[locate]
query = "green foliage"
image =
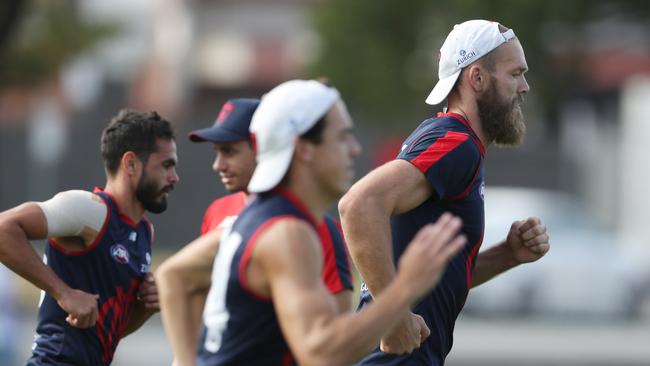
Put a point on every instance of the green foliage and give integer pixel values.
(366, 44)
(49, 35)
(382, 55)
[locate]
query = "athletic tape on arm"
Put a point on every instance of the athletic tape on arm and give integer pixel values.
(69, 212)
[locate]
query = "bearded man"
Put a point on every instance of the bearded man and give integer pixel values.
(440, 169)
(95, 276)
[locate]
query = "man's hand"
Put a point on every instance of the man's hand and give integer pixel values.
(148, 293)
(528, 240)
(419, 269)
(426, 257)
(81, 308)
(406, 337)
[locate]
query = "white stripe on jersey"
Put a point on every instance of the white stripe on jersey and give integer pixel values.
(215, 315)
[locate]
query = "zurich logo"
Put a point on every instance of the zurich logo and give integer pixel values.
(462, 53)
(481, 190)
(120, 254)
(294, 125)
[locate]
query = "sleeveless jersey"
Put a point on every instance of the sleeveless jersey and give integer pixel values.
(112, 267)
(337, 275)
(239, 326)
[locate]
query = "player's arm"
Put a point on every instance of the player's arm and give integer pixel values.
(74, 217)
(395, 187)
(365, 210)
(183, 283)
(343, 300)
(307, 314)
(527, 241)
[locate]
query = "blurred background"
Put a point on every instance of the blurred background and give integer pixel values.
(67, 67)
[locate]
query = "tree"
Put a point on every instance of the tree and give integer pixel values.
(47, 36)
(382, 54)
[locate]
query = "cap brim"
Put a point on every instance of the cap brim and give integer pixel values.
(215, 134)
(271, 168)
(442, 89)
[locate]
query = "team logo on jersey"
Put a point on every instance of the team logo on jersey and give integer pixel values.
(120, 254)
(133, 236)
(481, 191)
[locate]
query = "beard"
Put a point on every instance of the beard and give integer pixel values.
(502, 121)
(151, 195)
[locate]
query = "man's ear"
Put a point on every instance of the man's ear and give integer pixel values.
(478, 78)
(130, 163)
(304, 150)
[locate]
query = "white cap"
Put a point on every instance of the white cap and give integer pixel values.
(286, 112)
(466, 43)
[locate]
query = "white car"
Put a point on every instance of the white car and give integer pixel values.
(589, 271)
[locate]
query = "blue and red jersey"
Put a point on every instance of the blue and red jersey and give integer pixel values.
(240, 326)
(450, 155)
(336, 274)
(113, 267)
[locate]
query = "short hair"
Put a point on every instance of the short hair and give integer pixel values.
(315, 133)
(133, 131)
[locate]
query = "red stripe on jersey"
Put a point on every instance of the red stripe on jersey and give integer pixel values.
(345, 247)
(439, 149)
(243, 262)
(287, 359)
(150, 227)
(471, 258)
(330, 271)
(466, 123)
(297, 202)
(467, 189)
(127, 220)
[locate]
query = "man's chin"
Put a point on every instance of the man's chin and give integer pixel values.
(510, 141)
(157, 209)
(231, 188)
(159, 206)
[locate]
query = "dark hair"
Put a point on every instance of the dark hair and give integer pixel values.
(132, 131)
(315, 133)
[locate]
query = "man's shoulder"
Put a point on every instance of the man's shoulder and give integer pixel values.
(282, 233)
(440, 125)
(76, 199)
(440, 136)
